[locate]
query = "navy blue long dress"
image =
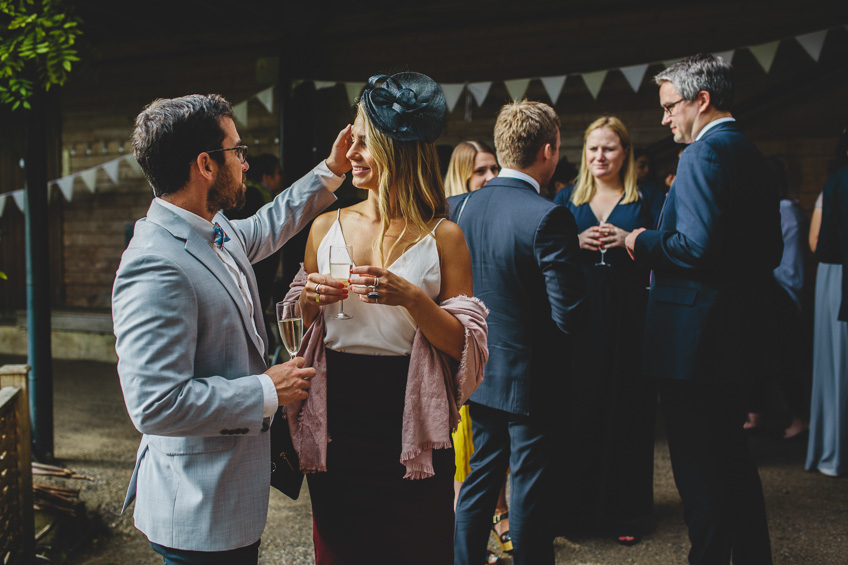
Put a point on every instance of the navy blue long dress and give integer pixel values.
(609, 479)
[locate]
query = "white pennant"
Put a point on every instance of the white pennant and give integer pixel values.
(66, 185)
(594, 81)
(319, 84)
(266, 97)
(452, 92)
(354, 89)
(2, 203)
(634, 75)
(133, 164)
(765, 54)
(517, 87)
(812, 43)
(670, 62)
(726, 55)
(89, 177)
(111, 169)
(479, 90)
(553, 86)
(240, 112)
(18, 197)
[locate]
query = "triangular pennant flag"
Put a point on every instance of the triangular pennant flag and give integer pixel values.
(452, 92)
(111, 169)
(594, 81)
(319, 84)
(353, 90)
(18, 197)
(2, 203)
(726, 55)
(812, 43)
(670, 62)
(479, 90)
(295, 83)
(133, 164)
(553, 86)
(266, 97)
(634, 75)
(240, 112)
(765, 54)
(66, 185)
(517, 87)
(89, 177)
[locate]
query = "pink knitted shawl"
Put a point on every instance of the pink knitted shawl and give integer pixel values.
(436, 386)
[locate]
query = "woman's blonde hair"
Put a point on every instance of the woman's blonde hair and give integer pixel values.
(586, 185)
(410, 183)
(461, 166)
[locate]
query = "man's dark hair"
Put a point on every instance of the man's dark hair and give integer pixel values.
(170, 133)
(701, 72)
(261, 165)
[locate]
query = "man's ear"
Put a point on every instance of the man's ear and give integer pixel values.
(703, 99)
(205, 166)
(547, 151)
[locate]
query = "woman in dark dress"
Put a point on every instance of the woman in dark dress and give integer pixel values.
(614, 402)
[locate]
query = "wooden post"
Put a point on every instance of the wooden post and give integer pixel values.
(17, 520)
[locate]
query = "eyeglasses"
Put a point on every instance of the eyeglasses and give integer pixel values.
(241, 151)
(669, 108)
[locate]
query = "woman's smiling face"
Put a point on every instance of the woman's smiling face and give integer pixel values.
(365, 172)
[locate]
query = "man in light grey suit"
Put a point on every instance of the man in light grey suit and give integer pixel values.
(191, 341)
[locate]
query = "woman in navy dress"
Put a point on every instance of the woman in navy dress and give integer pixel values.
(614, 402)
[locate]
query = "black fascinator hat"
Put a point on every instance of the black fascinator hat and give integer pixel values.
(406, 106)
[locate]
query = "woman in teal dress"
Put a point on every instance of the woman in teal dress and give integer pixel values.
(614, 401)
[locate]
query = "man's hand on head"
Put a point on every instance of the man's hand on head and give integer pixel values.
(338, 162)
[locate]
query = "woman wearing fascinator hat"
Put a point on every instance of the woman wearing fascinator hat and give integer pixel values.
(374, 436)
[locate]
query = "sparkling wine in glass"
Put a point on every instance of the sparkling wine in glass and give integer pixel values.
(290, 322)
(341, 263)
(602, 250)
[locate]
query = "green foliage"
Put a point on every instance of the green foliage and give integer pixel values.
(37, 50)
(3, 275)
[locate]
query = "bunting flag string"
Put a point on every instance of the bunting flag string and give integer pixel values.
(765, 54)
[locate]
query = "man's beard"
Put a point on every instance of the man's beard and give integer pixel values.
(225, 194)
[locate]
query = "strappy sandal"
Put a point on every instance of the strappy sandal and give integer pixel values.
(504, 539)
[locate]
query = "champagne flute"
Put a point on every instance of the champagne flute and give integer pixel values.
(341, 263)
(290, 322)
(602, 249)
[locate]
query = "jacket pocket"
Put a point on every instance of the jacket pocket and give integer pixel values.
(191, 445)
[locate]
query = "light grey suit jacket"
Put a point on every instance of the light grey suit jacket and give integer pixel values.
(188, 360)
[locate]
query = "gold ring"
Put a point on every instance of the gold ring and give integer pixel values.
(317, 297)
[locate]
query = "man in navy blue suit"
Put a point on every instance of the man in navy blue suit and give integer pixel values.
(524, 259)
(708, 317)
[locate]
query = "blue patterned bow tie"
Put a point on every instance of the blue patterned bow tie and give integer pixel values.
(220, 237)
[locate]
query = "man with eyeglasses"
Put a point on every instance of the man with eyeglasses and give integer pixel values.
(191, 341)
(709, 313)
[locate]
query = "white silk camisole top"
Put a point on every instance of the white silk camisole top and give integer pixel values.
(377, 329)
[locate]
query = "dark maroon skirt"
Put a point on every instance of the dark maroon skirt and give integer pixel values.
(363, 510)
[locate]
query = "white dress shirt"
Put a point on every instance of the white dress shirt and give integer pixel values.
(513, 174)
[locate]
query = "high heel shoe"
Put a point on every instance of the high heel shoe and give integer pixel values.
(504, 539)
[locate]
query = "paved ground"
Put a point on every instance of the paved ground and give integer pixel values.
(93, 435)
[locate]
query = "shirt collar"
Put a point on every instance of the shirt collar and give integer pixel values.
(200, 225)
(711, 125)
(513, 174)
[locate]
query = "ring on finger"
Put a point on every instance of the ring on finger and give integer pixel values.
(373, 295)
(376, 281)
(316, 288)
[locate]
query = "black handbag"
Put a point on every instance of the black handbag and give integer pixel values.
(285, 465)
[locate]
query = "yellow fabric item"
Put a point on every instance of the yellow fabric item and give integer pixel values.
(462, 445)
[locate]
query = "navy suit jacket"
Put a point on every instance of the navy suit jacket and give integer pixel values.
(524, 259)
(832, 246)
(719, 239)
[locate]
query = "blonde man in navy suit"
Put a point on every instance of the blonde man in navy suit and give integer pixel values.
(524, 252)
(706, 335)
(191, 341)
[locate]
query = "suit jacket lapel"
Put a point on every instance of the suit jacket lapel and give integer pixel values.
(199, 248)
